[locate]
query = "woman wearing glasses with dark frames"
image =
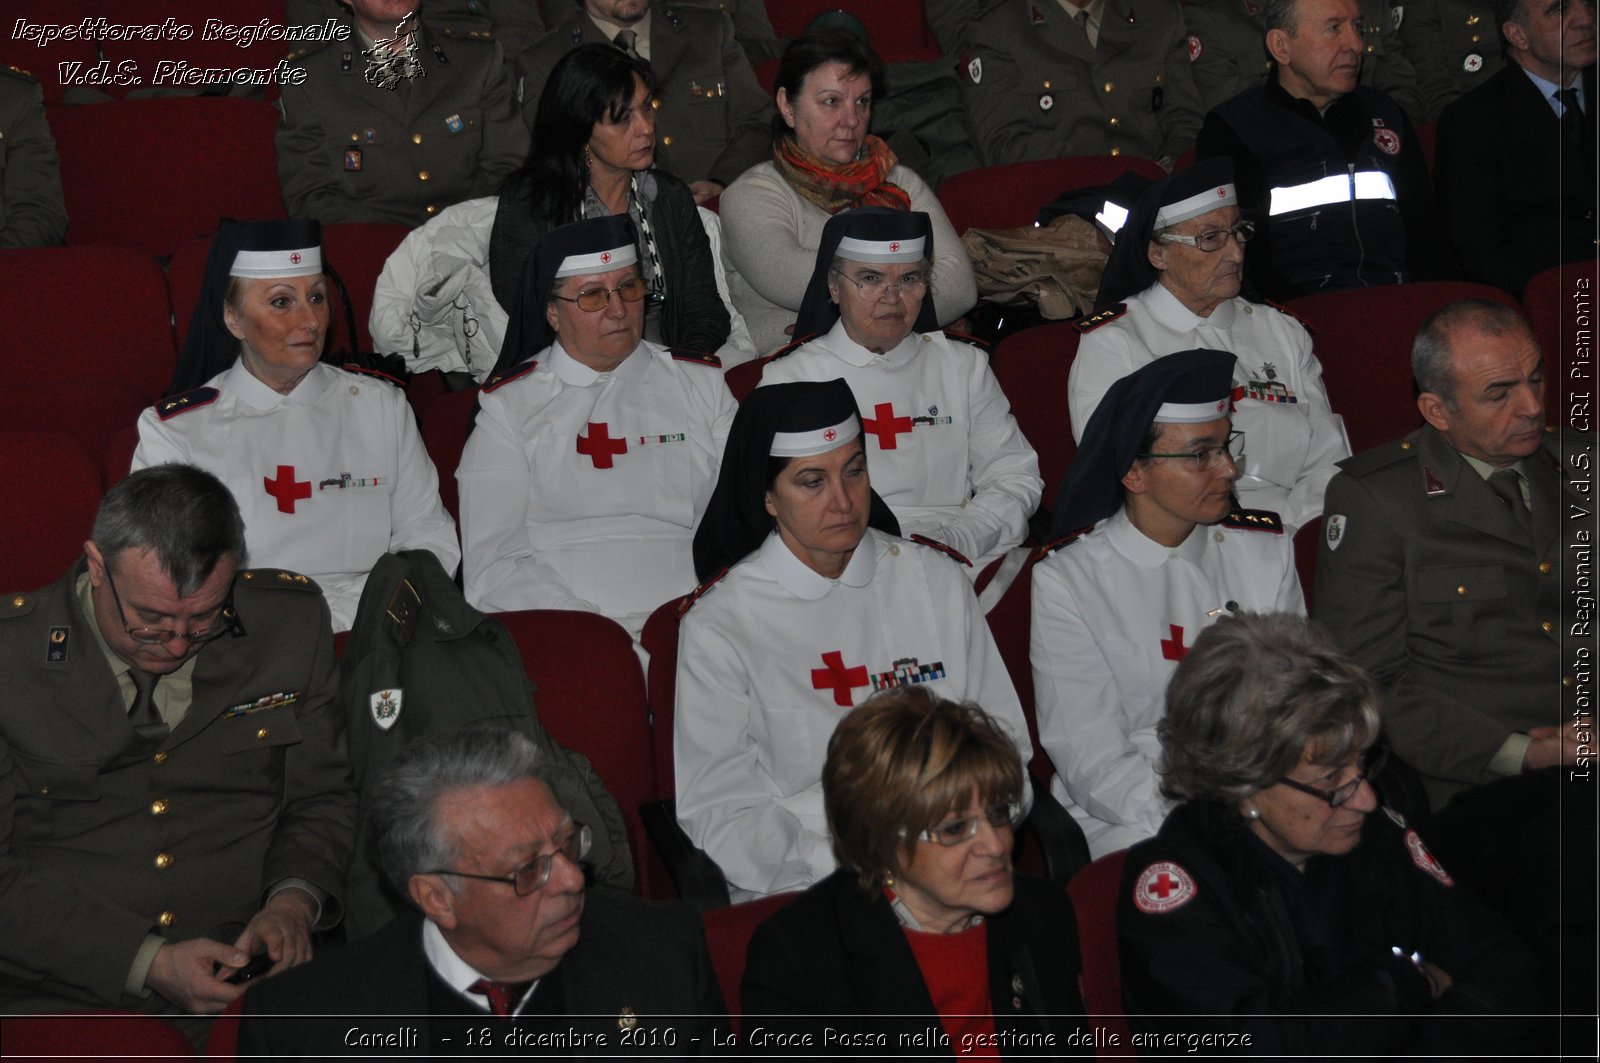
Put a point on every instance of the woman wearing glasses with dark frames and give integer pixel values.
(594, 451)
(1281, 899)
(1173, 283)
(925, 921)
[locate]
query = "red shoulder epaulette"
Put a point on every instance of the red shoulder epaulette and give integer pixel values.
(683, 354)
(351, 367)
(1280, 308)
(1254, 520)
(184, 401)
(695, 595)
(942, 548)
(1100, 317)
(790, 347)
(983, 345)
(516, 371)
(1049, 548)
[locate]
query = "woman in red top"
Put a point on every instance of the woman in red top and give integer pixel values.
(924, 940)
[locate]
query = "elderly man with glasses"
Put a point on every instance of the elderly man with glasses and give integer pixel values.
(1173, 283)
(175, 798)
(508, 953)
(1117, 607)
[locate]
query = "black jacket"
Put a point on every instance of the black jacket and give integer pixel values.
(1280, 141)
(693, 316)
(836, 958)
(1233, 957)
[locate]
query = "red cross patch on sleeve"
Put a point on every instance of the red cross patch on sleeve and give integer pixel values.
(1164, 887)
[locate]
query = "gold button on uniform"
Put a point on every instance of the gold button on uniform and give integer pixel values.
(167, 918)
(1567, 681)
(158, 807)
(1547, 626)
(666, 142)
(1109, 86)
(1406, 445)
(19, 601)
(432, 209)
(1462, 590)
(161, 758)
(1112, 121)
(1474, 38)
(1047, 84)
(263, 733)
(1545, 568)
(1116, 151)
(423, 175)
(416, 138)
(163, 860)
(44, 791)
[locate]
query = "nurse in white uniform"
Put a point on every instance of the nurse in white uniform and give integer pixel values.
(947, 456)
(1172, 284)
(594, 452)
(1116, 608)
(823, 605)
(326, 464)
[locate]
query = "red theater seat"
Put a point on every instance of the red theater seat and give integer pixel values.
(1560, 304)
(728, 933)
(1010, 195)
(357, 251)
(51, 485)
(897, 29)
(1094, 899)
(445, 427)
(1032, 366)
(91, 1035)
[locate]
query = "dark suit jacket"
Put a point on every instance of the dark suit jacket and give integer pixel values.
(645, 959)
(1515, 203)
(252, 787)
(1428, 582)
(838, 957)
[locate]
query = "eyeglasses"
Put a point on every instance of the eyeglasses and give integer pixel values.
(876, 284)
(1231, 450)
(160, 636)
(1372, 764)
(532, 878)
(955, 831)
(594, 300)
(1213, 239)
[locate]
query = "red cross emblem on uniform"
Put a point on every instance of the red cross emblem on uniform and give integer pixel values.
(605, 256)
(886, 426)
(295, 258)
(1173, 649)
(895, 246)
(835, 675)
(599, 446)
(286, 489)
(830, 435)
(1162, 887)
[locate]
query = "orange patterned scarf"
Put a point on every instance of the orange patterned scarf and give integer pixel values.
(862, 183)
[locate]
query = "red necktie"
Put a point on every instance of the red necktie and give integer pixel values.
(503, 997)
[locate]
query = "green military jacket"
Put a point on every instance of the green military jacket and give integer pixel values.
(32, 210)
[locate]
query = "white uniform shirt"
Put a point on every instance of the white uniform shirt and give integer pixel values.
(944, 451)
(581, 490)
(1113, 613)
(770, 659)
(328, 478)
(1292, 437)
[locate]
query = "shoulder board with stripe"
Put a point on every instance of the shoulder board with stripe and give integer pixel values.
(514, 373)
(1100, 317)
(699, 592)
(790, 347)
(983, 345)
(1254, 520)
(1071, 537)
(17, 71)
(351, 367)
(684, 354)
(277, 579)
(1284, 310)
(942, 548)
(184, 401)
(1379, 457)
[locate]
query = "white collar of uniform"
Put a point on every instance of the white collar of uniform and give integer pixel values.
(455, 972)
(799, 579)
(1167, 309)
(571, 371)
(253, 393)
(1144, 551)
(838, 341)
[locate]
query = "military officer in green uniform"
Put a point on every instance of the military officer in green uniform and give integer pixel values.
(713, 121)
(396, 123)
(1045, 78)
(515, 24)
(751, 27)
(1227, 43)
(32, 212)
(1454, 45)
(949, 19)
(175, 792)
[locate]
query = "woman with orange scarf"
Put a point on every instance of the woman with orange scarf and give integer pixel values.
(823, 161)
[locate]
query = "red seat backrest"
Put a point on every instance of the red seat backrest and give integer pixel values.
(1010, 623)
(1560, 304)
(49, 62)
(357, 251)
(86, 1035)
(52, 489)
(1094, 898)
(1305, 555)
(179, 165)
(728, 931)
(445, 425)
(591, 699)
(165, 61)
(660, 640)
(1363, 338)
(1032, 367)
(897, 28)
(222, 1040)
(1010, 195)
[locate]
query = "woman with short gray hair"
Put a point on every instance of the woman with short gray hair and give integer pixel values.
(1273, 892)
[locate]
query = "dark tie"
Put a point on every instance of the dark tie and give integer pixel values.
(1082, 19)
(503, 997)
(146, 720)
(625, 40)
(1507, 483)
(1571, 119)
